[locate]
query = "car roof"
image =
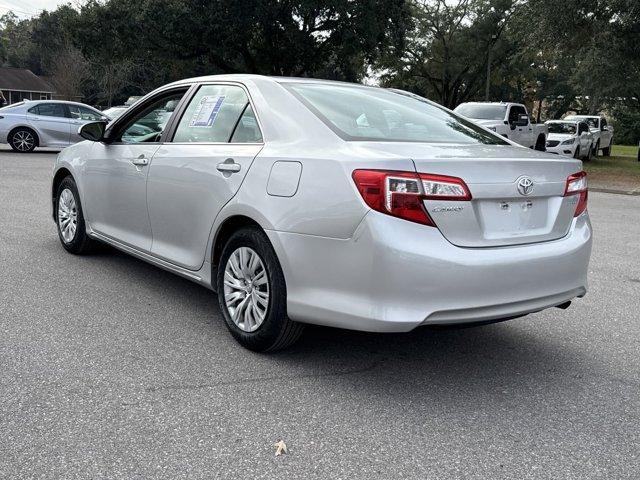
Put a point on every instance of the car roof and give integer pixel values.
(241, 77)
(66, 102)
(489, 103)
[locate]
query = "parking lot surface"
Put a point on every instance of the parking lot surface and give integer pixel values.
(112, 368)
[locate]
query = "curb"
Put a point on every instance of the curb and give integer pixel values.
(633, 193)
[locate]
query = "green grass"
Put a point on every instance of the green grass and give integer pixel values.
(620, 171)
(625, 151)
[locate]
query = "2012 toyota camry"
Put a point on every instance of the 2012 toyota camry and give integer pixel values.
(305, 201)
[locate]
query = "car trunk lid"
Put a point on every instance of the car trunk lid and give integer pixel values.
(517, 193)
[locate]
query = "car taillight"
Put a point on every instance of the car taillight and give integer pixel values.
(577, 185)
(401, 193)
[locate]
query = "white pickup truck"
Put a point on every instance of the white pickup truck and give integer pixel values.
(602, 133)
(511, 120)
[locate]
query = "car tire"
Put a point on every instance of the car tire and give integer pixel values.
(589, 155)
(252, 293)
(596, 149)
(541, 144)
(606, 151)
(577, 153)
(69, 218)
(23, 140)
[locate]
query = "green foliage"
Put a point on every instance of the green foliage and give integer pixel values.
(579, 55)
(574, 55)
(163, 40)
(626, 125)
(448, 49)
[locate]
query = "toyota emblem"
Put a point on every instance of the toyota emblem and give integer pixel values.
(525, 186)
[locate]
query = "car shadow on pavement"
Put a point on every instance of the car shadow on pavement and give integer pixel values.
(484, 360)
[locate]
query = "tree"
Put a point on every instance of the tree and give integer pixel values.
(69, 71)
(113, 78)
(449, 47)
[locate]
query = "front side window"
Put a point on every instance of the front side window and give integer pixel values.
(375, 114)
(79, 112)
(149, 123)
(213, 114)
(48, 110)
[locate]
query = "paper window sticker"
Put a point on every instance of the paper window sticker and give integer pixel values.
(207, 111)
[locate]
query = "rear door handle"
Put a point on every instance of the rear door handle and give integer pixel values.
(141, 161)
(229, 165)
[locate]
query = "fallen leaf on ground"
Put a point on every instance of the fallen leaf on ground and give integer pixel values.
(281, 448)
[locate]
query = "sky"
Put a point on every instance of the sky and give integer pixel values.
(30, 8)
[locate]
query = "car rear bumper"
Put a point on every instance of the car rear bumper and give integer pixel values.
(394, 275)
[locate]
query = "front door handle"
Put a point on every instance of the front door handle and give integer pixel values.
(229, 166)
(141, 161)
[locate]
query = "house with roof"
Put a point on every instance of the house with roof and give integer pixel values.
(17, 84)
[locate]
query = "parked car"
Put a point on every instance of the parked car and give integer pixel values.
(511, 120)
(307, 201)
(570, 138)
(602, 132)
(44, 123)
(114, 112)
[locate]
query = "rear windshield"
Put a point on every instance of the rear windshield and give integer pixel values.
(562, 128)
(482, 112)
(376, 114)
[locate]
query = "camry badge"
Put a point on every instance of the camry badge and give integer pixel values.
(525, 185)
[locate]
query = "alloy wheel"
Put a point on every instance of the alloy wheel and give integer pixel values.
(67, 215)
(24, 141)
(246, 289)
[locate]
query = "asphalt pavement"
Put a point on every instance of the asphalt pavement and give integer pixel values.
(112, 368)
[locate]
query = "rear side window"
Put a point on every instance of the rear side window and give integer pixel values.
(49, 110)
(247, 129)
(213, 114)
(375, 114)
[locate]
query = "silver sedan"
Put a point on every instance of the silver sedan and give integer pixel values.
(44, 123)
(305, 201)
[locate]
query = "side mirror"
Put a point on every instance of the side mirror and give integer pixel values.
(93, 131)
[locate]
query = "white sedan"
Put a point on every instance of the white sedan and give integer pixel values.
(570, 138)
(44, 123)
